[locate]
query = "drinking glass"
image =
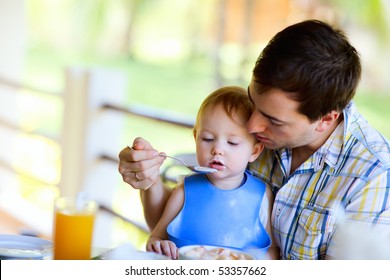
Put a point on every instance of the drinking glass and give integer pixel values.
(73, 228)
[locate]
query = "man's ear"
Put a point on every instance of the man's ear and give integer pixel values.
(327, 121)
(257, 149)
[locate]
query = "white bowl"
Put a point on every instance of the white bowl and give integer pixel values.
(206, 252)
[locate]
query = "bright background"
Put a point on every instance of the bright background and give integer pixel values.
(173, 53)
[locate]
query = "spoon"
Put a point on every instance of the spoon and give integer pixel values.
(194, 168)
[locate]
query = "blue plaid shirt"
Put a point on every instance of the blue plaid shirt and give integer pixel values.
(351, 171)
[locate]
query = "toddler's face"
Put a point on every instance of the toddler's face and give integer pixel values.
(224, 143)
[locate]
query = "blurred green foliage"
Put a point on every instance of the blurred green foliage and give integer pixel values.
(171, 50)
(173, 55)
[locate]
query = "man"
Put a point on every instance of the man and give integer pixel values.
(321, 156)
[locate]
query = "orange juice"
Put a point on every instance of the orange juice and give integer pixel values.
(73, 229)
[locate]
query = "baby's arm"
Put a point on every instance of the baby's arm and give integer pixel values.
(273, 250)
(157, 241)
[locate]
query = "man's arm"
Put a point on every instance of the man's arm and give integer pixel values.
(154, 200)
(140, 168)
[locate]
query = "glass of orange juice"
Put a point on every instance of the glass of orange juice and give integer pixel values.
(73, 228)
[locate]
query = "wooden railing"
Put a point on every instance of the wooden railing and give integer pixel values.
(87, 138)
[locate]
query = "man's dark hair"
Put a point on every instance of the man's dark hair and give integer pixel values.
(315, 63)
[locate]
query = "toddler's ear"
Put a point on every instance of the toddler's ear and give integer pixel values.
(257, 149)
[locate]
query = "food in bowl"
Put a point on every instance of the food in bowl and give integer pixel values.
(193, 252)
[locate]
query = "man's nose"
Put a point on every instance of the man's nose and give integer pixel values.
(256, 123)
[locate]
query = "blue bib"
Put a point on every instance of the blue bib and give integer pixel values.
(228, 218)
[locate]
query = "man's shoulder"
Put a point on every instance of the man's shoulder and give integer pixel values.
(366, 143)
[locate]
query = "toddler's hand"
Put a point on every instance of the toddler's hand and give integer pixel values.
(165, 247)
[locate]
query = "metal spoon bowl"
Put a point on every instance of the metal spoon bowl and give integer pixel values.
(193, 168)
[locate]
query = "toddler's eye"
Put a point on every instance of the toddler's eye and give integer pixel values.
(232, 143)
(207, 139)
